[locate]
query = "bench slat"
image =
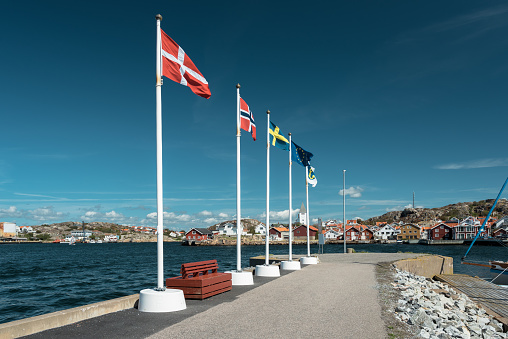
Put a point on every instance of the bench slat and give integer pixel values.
(197, 282)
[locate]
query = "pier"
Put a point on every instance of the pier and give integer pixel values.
(317, 301)
(492, 297)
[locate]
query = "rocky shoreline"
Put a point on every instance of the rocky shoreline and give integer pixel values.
(434, 310)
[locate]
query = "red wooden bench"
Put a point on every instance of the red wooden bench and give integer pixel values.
(200, 280)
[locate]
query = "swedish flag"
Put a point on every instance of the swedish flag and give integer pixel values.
(277, 139)
(300, 155)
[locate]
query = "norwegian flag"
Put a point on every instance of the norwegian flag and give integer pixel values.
(247, 119)
(177, 66)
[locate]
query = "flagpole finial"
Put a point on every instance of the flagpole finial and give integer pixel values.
(158, 17)
(268, 112)
(237, 85)
(289, 133)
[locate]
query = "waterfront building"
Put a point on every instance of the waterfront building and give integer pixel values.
(470, 226)
(409, 232)
(366, 234)
(386, 232)
(352, 233)
(279, 233)
(441, 231)
(260, 229)
(500, 233)
(332, 234)
(80, 234)
(227, 229)
(199, 234)
(7, 229)
(300, 233)
(25, 229)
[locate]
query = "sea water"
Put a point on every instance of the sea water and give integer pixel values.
(41, 278)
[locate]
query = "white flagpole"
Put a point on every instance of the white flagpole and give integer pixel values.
(160, 299)
(160, 212)
(290, 204)
(239, 227)
(267, 241)
(344, 205)
(307, 217)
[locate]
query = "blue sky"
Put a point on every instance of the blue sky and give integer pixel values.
(405, 96)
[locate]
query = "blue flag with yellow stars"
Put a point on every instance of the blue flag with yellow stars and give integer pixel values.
(300, 155)
(278, 140)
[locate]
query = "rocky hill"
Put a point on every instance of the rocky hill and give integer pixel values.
(460, 210)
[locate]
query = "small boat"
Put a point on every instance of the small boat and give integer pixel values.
(498, 269)
(499, 272)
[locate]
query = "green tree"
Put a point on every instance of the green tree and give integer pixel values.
(43, 236)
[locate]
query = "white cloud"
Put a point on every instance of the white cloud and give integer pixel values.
(223, 215)
(44, 214)
(211, 221)
(281, 216)
(205, 213)
(11, 212)
(111, 216)
(482, 163)
(353, 192)
(170, 217)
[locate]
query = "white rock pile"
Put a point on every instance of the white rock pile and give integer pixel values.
(440, 312)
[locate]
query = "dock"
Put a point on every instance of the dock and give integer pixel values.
(492, 297)
(316, 301)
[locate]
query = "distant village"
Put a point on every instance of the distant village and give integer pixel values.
(331, 230)
(436, 231)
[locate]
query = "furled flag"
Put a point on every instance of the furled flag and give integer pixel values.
(300, 155)
(278, 140)
(177, 66)
(311, 178)
(247, 119)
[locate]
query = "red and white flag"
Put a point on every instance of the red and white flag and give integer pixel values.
(177, 66)
(247, 119)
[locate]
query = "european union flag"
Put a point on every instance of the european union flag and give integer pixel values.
(278, 140)
(300, 155)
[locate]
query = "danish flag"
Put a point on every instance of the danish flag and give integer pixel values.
(177, 66)
(247, 119)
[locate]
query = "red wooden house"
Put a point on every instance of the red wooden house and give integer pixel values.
(440, 231)
(366, 234)
(301, 232)
(279, 233)
(199, 234)
(352, 233)
(500, 233)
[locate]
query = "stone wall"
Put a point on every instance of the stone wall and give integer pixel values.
(427, 266)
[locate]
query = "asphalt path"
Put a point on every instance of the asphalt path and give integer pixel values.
(338, 298)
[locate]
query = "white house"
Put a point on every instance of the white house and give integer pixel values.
(229, 230)
(80, 234)
(332, 234)
(386, 232)
(25, 229)
(260, 229)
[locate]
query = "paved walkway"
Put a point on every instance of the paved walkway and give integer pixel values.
(334, 299)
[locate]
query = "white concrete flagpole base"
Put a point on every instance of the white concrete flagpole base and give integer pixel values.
(169, 300)
(267, 271)
(240, 278)
(290, 265)
(308, 260)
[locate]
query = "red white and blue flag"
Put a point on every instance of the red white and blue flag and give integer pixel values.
(247, 119)
(177, 66)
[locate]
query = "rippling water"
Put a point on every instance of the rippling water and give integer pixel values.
(41, 278)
